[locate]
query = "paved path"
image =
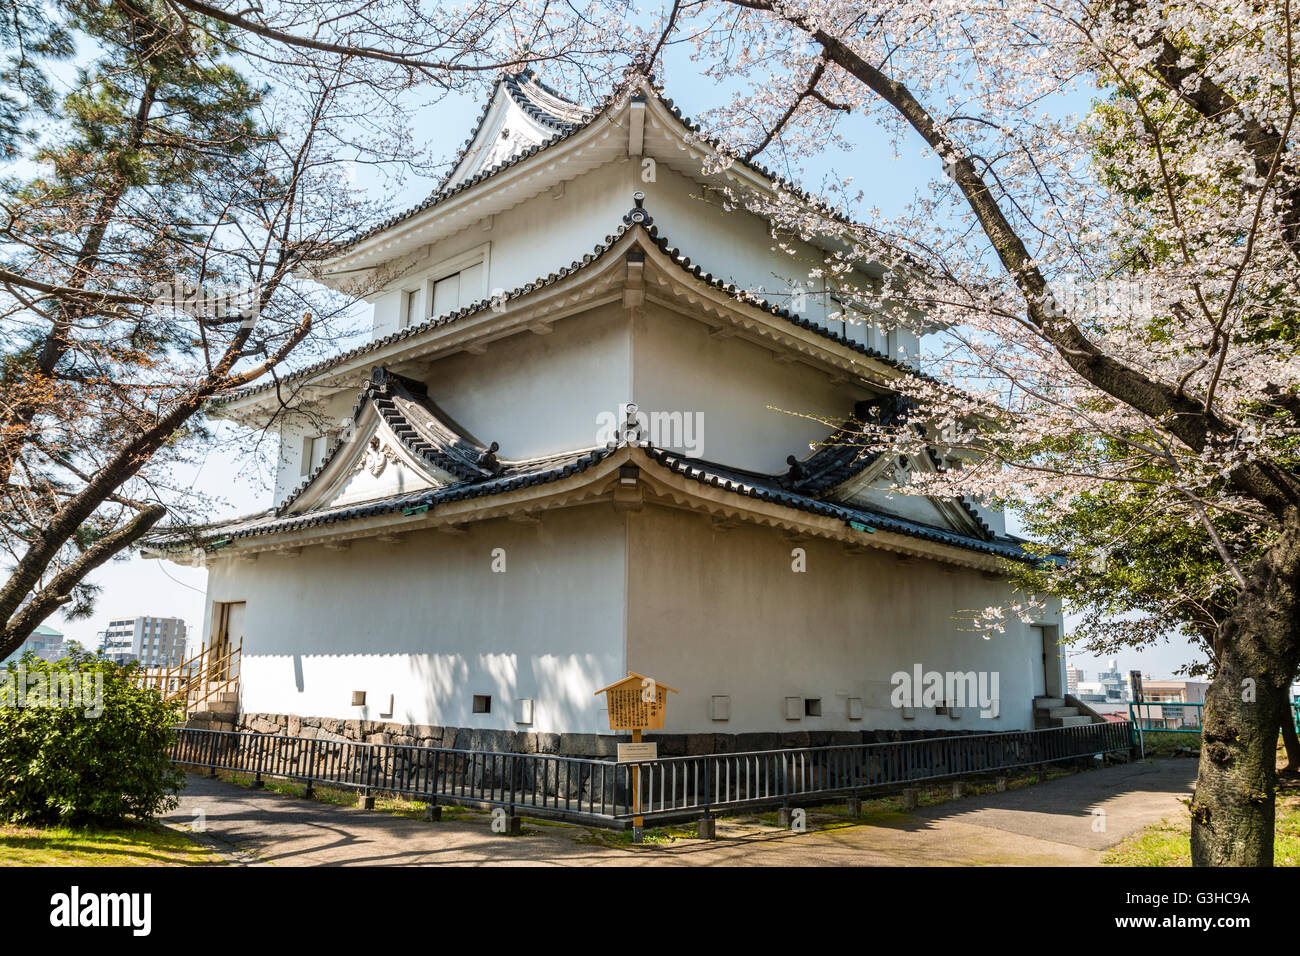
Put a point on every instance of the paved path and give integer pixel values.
(1053, 823)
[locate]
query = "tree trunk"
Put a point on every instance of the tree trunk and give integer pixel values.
(1257, 648)
(1233, 806)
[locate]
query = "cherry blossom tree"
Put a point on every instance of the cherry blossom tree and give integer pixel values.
(1108, 254)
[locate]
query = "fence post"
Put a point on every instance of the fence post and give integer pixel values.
(364, 798)
(707, 827)
(783, 814)
(433, 811)
(514, 825)
(261, 756)
(310, 791)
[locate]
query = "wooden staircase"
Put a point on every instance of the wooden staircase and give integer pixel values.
(208, 681)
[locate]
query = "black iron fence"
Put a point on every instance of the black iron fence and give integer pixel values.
(600, 792)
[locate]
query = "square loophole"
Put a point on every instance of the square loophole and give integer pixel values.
(812, 706)
(482, 703)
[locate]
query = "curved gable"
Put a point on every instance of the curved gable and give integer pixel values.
(398, 442)
(521, 115)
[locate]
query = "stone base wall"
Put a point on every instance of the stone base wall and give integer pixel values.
(568, 745)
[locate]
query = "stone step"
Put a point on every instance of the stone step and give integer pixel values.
(1074, 721)
(1063, 712)
(206, 685)
(1047, 703)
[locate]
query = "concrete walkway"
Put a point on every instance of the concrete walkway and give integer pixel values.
(1069, 821)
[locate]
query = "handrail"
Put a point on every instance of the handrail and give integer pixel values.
(201, 673)
(1140, 715)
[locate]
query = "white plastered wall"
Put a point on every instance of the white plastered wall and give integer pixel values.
(752, 411)
(721, 612)
(429, 622)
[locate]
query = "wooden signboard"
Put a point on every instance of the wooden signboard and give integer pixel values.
(636, 702)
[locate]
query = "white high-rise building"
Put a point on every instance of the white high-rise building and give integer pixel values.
(153, 641)
(1073, 676)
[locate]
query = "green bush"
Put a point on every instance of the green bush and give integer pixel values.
(102, 760)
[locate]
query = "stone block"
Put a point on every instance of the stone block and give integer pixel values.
(757, 741)
(608, 784)
(578, 745)
(670, 745)
(699, 745)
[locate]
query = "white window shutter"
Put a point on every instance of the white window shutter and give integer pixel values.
(471, 285)
(446, 295)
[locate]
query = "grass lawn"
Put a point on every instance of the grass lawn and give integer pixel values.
(1168, 843)
(151, 845)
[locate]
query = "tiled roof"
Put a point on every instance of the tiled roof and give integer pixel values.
(515, 475)
(844, 454)
(769, 488)
(564, 129)
(636, 218)
(559, 115)
(422, 428)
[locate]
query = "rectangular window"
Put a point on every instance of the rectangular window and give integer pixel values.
(410, 308)
(446, 295)
(457, 283)
(313, 452)
(471, 284)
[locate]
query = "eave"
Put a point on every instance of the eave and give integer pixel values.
(635, 120)
(667, 277)
(595, 477)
